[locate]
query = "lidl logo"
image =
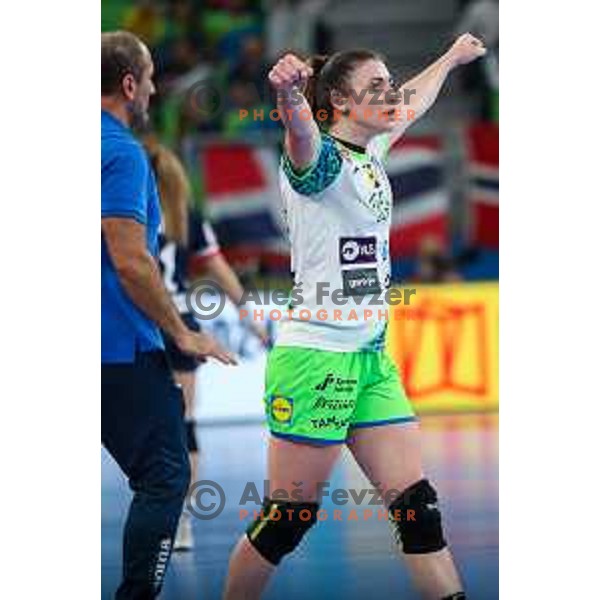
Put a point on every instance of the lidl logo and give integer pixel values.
(282, 409)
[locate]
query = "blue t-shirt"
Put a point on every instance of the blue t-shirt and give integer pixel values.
(128, 190)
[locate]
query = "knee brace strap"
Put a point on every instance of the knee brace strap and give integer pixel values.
(418, 522)
(457, 596)
(192, 440)
(280, 527)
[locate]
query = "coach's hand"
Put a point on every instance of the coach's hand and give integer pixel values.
(466, 49)
(288, 72)
(202, 345)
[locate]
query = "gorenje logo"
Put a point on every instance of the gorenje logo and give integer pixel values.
(360, 282)
(358, 250)
(329, 378)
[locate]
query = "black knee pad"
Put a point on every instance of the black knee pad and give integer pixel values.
(192, 439)
(457, 596)
(281, 527)
(418, 524)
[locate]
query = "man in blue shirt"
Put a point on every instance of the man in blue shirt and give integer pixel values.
(142, 409)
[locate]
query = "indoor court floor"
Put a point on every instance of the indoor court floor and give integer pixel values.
(347, 559)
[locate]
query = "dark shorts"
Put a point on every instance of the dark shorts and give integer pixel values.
(177, 359)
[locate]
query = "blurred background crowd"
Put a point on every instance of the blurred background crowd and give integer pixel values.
(212, 58)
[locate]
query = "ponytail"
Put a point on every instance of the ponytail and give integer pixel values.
(174, 190)
(316, 63)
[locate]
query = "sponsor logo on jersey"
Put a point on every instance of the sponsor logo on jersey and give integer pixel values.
(329, 423)
(341, 384)
(333, 403)
(329, 378)
(356, 250)
(282, 409)
(360, 282)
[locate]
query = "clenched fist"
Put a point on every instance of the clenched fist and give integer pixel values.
(289, 72)
(466, 49)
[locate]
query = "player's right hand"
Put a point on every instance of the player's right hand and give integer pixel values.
(289, 72)
(202, 345)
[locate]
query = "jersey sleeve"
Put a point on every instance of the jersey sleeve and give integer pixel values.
(203, 241)
(320, 174)
(124, 184)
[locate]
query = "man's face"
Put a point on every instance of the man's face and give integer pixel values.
(141, 91)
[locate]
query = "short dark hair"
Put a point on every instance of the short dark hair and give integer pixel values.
(122, 54)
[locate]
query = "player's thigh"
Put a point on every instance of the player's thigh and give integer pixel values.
(389, 455)
(300, 466)
(385, 436)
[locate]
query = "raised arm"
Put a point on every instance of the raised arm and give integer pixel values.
(419, 94)
(288, 77)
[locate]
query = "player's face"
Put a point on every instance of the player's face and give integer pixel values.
(143, 90)
(373, 102)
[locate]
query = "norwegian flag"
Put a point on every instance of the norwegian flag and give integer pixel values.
(421, 202)
(483, 152)
(241, 183)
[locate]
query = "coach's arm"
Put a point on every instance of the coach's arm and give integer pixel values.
(140, 277)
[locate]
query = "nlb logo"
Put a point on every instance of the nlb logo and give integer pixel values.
(356, 250)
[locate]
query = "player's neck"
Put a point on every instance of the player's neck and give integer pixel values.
(348, 131)
(116, 109)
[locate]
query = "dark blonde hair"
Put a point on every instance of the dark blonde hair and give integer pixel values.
(332, 74)
(174, 190)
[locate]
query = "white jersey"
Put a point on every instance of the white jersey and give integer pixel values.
(338, 214)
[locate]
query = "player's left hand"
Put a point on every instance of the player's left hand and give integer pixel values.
(466, 49)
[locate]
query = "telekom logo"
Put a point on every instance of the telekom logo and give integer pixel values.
(442, 346)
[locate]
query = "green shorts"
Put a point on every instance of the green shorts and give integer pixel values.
(319, 396)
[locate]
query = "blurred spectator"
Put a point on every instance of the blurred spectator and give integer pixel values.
(146, 20)
(252, 68)
(481, 18)
(226, 24)
(292, 25)
(221, 41)
(243, 96)
(434, 265)
(182, 43)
